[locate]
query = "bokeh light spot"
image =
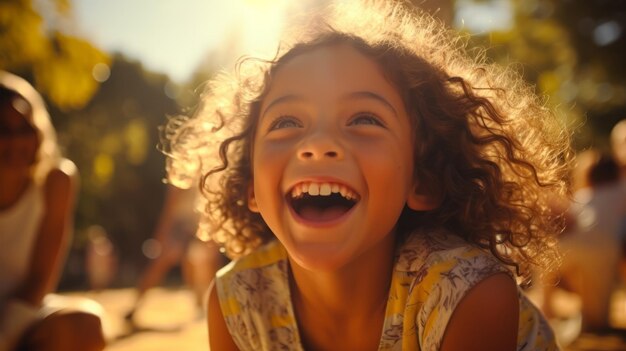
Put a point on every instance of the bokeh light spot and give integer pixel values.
(171, 90)
(607, 33)
(137, 139)
(101, 72)
(103, 168)
(151, 248)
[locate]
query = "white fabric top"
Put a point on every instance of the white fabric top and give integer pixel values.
(19, 225)
(600, 214)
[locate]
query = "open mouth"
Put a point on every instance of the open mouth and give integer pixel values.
(322, 202)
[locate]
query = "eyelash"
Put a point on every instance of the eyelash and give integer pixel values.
(369, 116)
(276, 124)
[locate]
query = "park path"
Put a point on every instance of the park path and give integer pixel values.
(167, 320)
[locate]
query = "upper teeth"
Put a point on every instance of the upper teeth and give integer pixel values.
(322, 189)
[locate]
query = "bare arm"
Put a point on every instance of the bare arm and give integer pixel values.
(50, 248)
(219, 337)
(486, 318)
(173, 195)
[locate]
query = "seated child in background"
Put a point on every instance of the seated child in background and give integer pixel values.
(37, 191)
(379, 189)
(592, 244)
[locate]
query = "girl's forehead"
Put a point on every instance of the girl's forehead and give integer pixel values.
(336, 60)
(330, 70)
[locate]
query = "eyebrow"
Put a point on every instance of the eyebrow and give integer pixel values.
(282, 99)
(354, 95)
(371, 95)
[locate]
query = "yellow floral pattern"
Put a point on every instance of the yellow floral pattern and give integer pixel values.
(433, 272)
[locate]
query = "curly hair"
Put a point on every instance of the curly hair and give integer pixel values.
(482, 139)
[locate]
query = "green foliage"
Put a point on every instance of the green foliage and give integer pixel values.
(553, 43)
(113, 140)
(59, 64)
(22, 41)
(541, 50)
(66, 74)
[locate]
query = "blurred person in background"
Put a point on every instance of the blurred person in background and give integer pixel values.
(101, 259)
(618, 146)
(37, 193)
(175, 243)
(592, 243)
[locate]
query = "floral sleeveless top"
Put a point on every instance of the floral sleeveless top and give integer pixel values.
(432, 273)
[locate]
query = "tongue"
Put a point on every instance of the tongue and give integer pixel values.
(319, 214)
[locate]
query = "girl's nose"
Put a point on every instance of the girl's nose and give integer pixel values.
(320, 146)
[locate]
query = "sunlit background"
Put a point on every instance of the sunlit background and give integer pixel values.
(112, 70)
(178, 37)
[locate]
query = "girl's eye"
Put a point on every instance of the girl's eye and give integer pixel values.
(285, 122)
(366, 119)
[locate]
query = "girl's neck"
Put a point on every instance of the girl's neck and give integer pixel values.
(13, 186)
(358, 289)
(344, 309)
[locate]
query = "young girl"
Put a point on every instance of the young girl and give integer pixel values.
(380, 188)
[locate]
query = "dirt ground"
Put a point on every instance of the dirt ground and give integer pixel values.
(168, 320)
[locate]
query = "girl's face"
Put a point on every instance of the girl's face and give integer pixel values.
(18, 138)
(332, 157)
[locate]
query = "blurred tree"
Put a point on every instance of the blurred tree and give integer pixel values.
(573, 51)
(35, 47)
(113, 141)
(598, 34)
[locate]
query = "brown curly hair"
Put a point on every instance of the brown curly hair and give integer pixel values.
(482, 139)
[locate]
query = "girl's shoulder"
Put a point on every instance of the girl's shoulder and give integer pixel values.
(254, 299)
(64, 168)
(62, 172)
(434, 271)
(438, 247)
(265, 256)
(61, 181)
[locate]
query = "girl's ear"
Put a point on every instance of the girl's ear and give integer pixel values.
(252, 205)
(421, 199)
